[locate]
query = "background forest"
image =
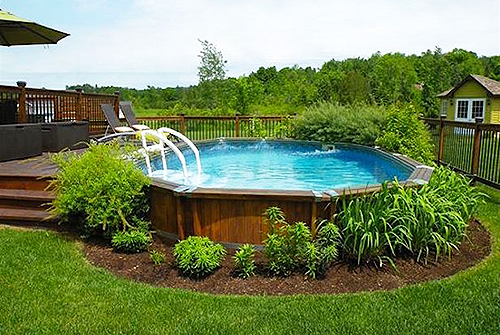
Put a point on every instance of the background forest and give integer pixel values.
(381, 79)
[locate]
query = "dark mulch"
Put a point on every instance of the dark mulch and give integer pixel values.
(340, 278)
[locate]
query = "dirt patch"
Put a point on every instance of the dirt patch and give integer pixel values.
(340, 278)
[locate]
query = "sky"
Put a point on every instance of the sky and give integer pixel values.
(140, 43)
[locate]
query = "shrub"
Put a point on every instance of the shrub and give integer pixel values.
(157, 257)
(131, 241)
(244, 261)
(406, 134)
(99, 190)
(197, 257)
(286, 245)
(329, 122)
(289, 247)
(323, 251)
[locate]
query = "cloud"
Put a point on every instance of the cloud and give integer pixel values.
(161, 36)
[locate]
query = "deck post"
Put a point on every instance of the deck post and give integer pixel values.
(183, 123)
(441, 139)
(22, 101)
(237, 125)
(117, 104)
(477, 146)
(79, 105)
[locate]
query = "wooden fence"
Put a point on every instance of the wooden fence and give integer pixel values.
(31, 105)
(208, 127)
(471, 148)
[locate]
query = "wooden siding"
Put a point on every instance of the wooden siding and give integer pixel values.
(494, 110)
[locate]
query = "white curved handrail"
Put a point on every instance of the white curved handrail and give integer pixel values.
(187, 141)
(163, 140)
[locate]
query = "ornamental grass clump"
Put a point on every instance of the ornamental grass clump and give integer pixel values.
(367, 234)
(398, 220)
(196, 257)
(100, 191)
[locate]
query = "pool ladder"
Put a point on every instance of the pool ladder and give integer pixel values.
(158, 144)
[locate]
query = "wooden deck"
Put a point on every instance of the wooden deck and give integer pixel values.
(39, 166)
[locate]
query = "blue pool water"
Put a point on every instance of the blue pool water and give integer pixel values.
(283, 166)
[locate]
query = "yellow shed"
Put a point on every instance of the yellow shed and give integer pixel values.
(475, 96)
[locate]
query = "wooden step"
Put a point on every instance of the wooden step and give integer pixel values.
(16, 198)
(16, 215)
(24, 182)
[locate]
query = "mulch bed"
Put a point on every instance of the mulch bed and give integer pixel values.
(340, 278)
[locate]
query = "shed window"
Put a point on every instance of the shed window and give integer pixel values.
(477, 108)
(469, 109)
(444, 107)
(462, 109)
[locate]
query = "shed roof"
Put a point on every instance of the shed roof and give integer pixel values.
(491, 86)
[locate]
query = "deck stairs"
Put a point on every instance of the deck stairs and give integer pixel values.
(24, 200)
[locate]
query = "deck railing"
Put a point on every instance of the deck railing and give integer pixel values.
(472, 148)
(208, 127)
(31, 105)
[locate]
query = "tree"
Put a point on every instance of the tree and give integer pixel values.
(212, 64)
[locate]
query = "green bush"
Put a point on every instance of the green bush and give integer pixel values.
(131, 241)
(197, 257)
(329, 123)
(323, 251)
(406, 134)
(244, 261)
(100, 191)
(157, 257)
(286, 244)
(290, 247)
(399, 220)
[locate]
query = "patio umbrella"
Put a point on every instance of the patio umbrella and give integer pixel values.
(17, 31)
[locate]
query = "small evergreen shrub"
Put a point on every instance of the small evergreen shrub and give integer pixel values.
(132, 241)
(406, 134)
(157, 257)
(329, 123)
(244, 262)
(197, 257)
(100, 190)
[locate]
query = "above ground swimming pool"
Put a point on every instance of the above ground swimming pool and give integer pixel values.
(283, 165)
(242, 178)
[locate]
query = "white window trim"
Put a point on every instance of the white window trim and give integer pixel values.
(469, 108)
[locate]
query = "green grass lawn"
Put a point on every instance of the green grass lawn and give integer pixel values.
(47, 287)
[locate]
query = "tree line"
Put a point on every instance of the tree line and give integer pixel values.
(382, 79)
